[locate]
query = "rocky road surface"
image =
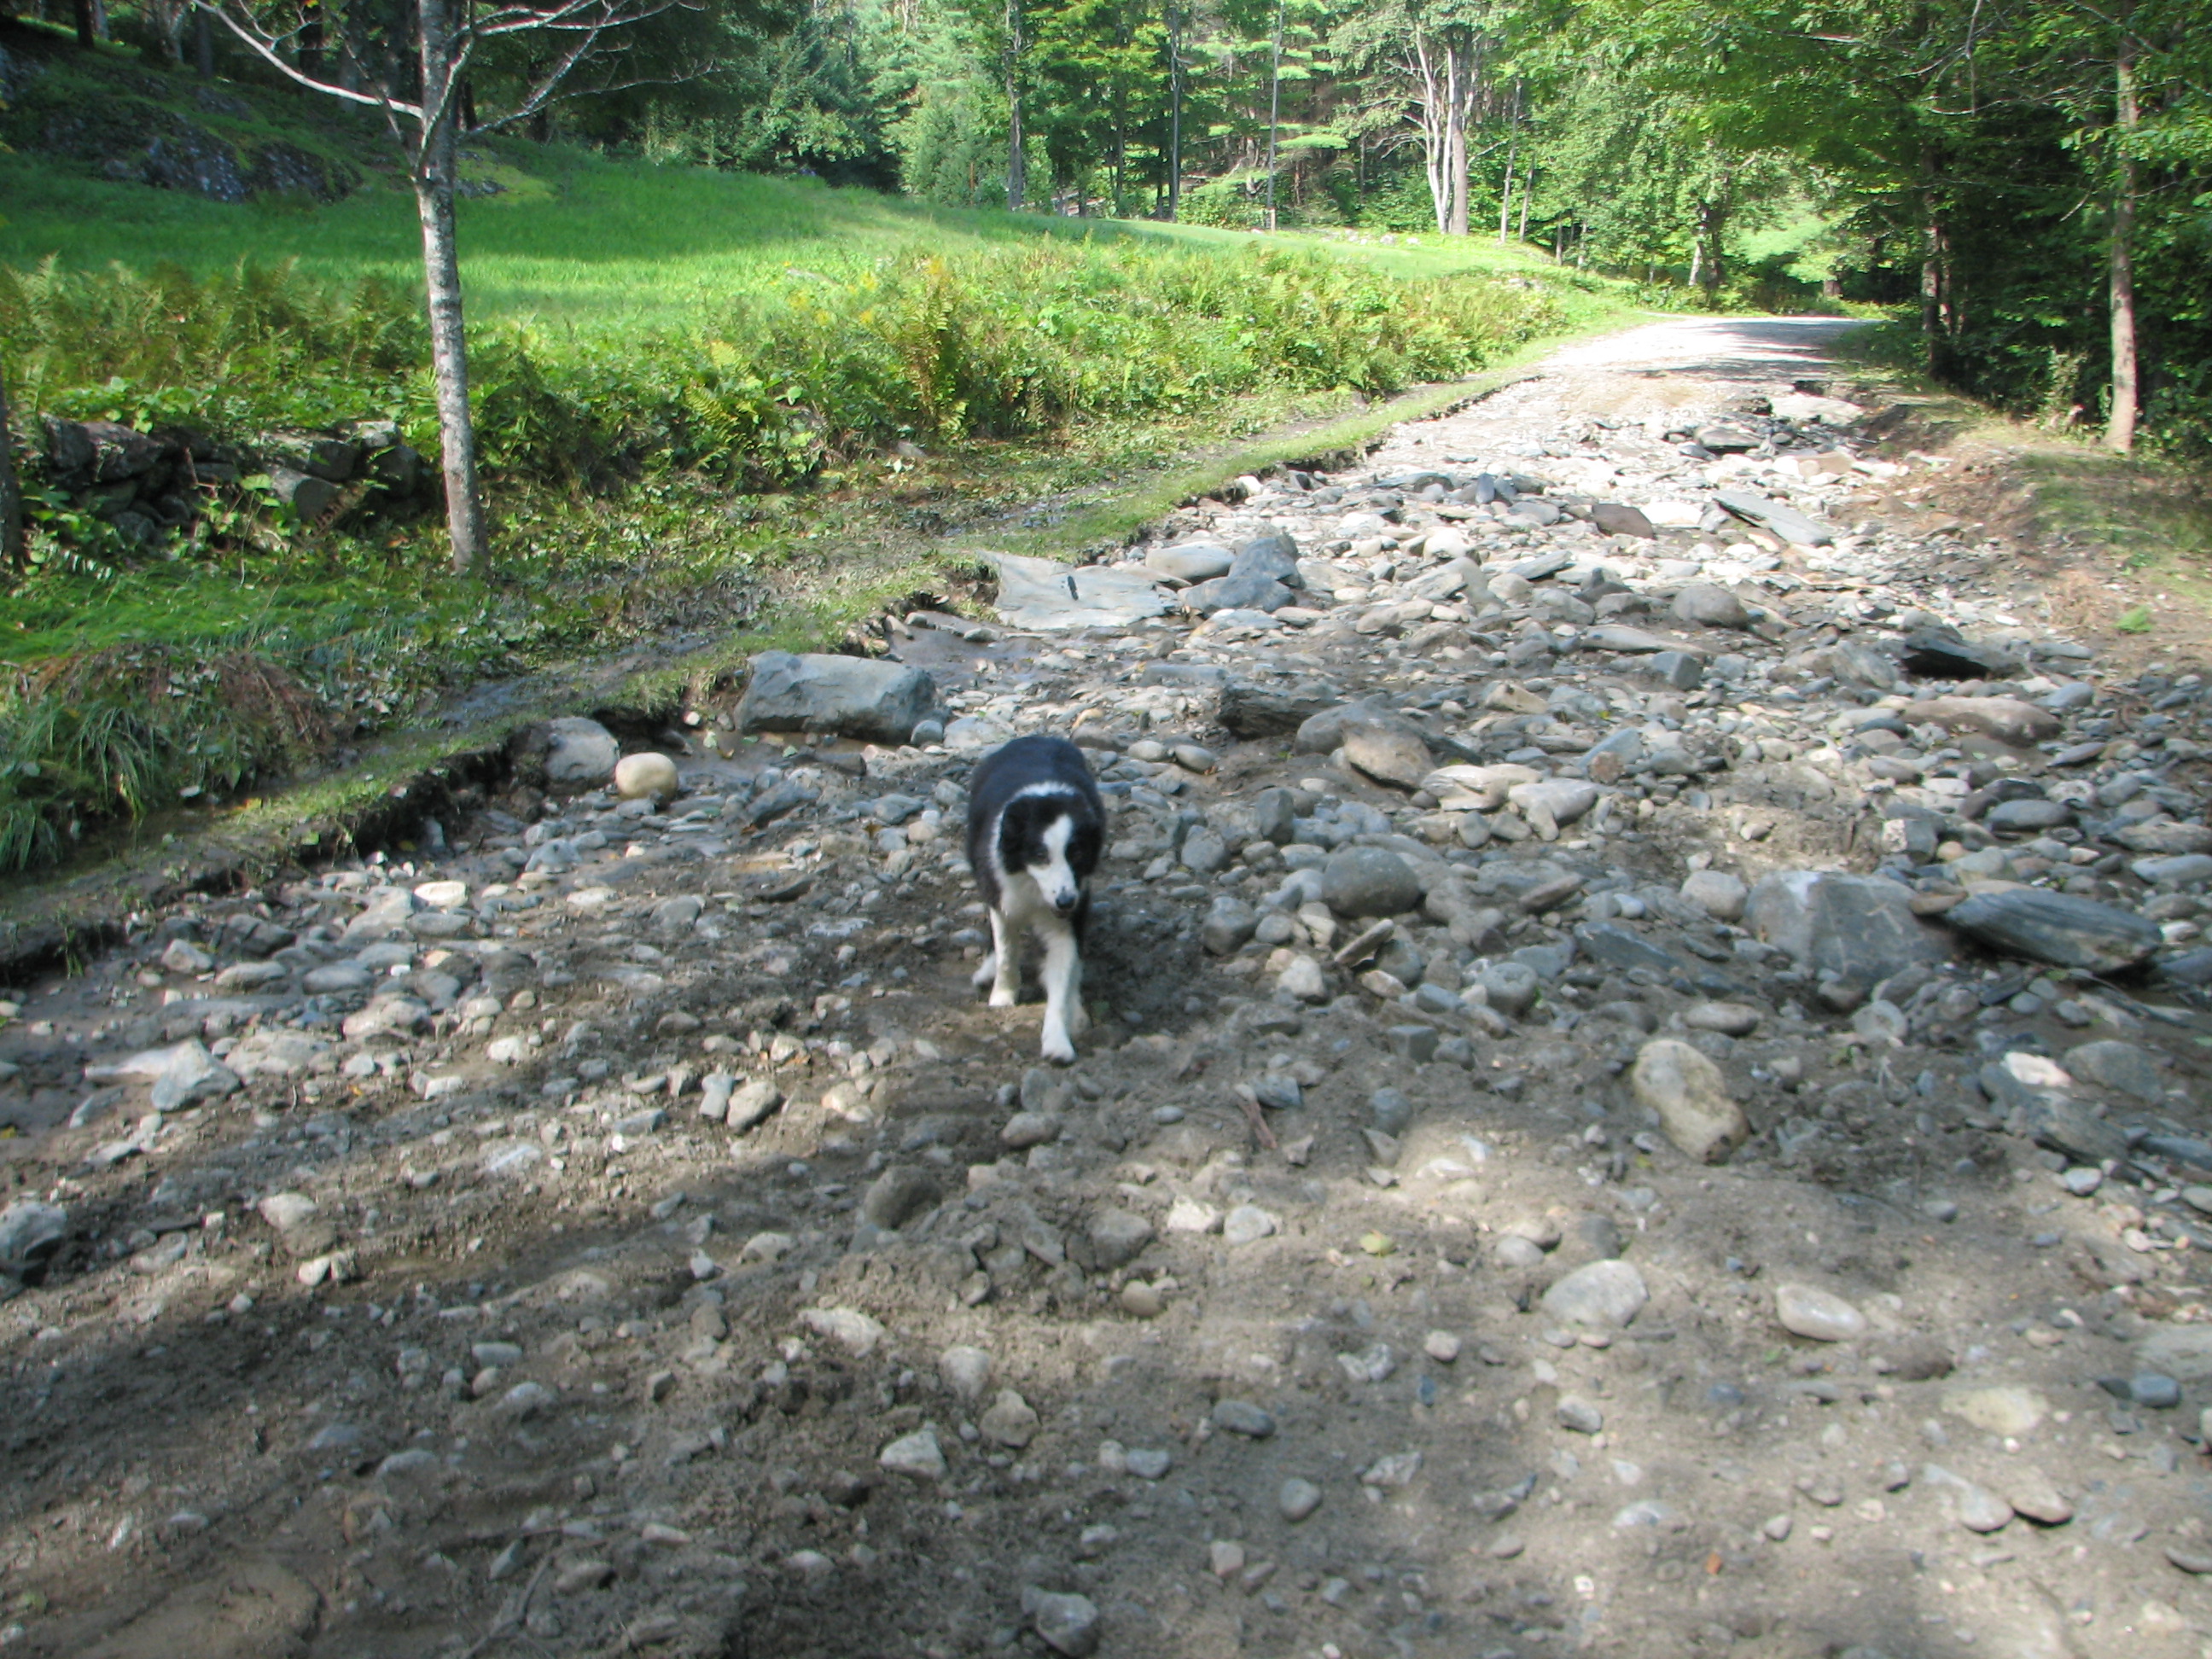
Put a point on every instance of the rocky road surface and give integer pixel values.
(1646, 1097)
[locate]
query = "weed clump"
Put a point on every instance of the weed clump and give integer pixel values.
(124, 731)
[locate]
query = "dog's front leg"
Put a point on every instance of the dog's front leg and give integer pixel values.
(1006, 962)
(1063, 990)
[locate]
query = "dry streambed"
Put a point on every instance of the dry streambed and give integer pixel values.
(1645, 1096)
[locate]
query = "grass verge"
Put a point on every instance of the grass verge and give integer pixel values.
(2143, 523)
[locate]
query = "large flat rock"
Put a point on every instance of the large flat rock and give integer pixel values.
(1860, 928)
(1778, 517)
(1047, 597)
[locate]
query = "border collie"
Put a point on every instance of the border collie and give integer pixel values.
(1035, 823)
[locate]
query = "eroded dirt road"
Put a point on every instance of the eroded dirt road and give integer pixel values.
(1674, 1125)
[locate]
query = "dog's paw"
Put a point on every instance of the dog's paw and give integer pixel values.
(1079, 1019)
(1002, 997)
(988, 972)
(1057, 1048)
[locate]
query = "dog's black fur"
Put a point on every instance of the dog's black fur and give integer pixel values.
(1036, 825)
(995, 795)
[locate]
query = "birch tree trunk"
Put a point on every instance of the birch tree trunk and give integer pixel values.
(1712, 225)
(1016, 167)
(441, 269)
(1274, 111)
(1505, 195)
(1175, 111)
(1436, 142)
(1457, 73)
(2120, 428)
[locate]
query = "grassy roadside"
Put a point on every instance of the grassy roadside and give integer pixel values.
(2141, 523)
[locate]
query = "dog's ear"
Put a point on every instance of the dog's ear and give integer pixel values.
(1084, 846)
(1015, 834)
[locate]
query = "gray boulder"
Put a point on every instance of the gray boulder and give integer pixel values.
(2119, 1066)
(1323, 733)
(580, 751)
(1191, 561)
(849, 696)
(1618, 636)
(1228, 925)
(1939, 653)
(1711, 605)
(1616, 519)
(2060, 929)
(1857, 928)
(1776, 517)
(97, 451)
(2027, 817)
(1244, 591)
(308, 497)
(1369, 881)
(1048, 597)
(1386, 750)
(1274, 555)
(30, 1233)
(899, 1195)
(1249, 710)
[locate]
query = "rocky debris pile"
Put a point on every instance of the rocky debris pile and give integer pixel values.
(1568, 1151)
(146, 486)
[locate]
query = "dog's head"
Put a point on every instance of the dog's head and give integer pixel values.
(1054, 841)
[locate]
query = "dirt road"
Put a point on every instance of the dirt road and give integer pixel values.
(1645, 1096)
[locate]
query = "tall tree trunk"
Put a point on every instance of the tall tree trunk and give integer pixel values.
(441, 268)
(1121, 159)
(1712, 224)
(1505, 195)
(203, 44)
(1175, 111)
(1457, 72)
(1274, 110)
(1527, 193)
(1016, 167)
(167, 17)
(11, 495)
(1436, 132)
(2120, 428)
(85, 32)
(1933, 249)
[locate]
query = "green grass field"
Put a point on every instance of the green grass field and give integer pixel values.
(573, 239)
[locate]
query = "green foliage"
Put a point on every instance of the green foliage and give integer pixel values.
(254, 345)
(992, 345)
(1236, 201)
(2138, 621)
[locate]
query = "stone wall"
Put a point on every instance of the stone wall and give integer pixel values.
(149, 485)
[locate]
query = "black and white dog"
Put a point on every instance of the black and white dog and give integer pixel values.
(1035, 823)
